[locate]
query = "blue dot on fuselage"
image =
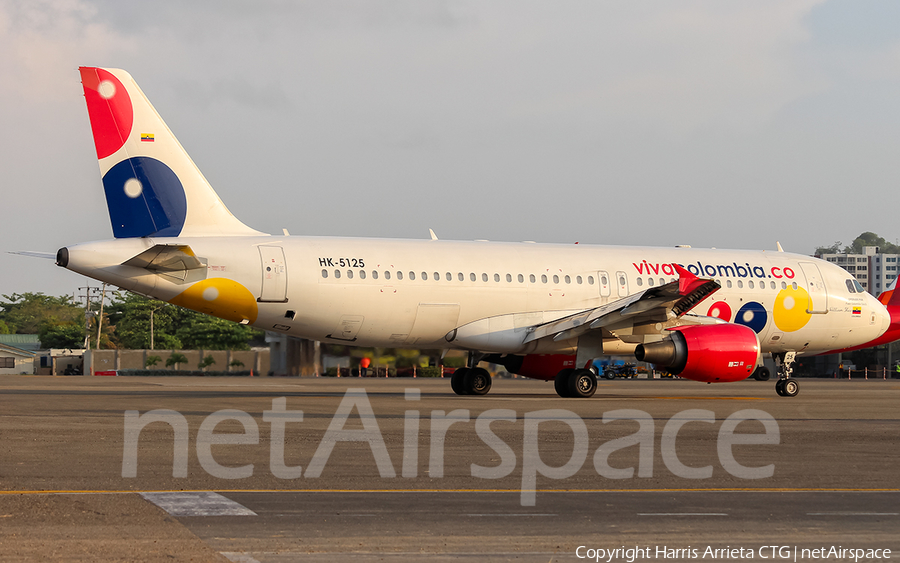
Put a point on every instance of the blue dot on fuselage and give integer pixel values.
(752, 315)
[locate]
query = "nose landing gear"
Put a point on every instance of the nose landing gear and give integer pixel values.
(785, 386)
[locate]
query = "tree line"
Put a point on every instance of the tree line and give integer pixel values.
(60, 322)
(856, 247)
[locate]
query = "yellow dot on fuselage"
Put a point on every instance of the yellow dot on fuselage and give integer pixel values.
(219, 297)
(789, 311)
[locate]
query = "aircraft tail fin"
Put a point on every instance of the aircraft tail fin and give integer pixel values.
(890, 297)
(152, 186)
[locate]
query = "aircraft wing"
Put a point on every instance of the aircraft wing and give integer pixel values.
(650, 306)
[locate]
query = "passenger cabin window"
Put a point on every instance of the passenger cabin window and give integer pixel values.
(603, 280)
(521, 278)
(531, 278)
(449, 276)
(543, 278)
(772, 285)
(387, 275)
(412, 275)
(461, 277)
(350, 274)
(424, 276)
(508, 278)
(794, 285)
(650, 282)
(325, 274)
(337, 273)
(362, 274)
(399, 275)
(437, 276)
(578, 280)
(640, 282)
(783, 285)
(496, 278)
(374, 274)
(750, 284)
(472, 276)
(484, 277)
(555, 279)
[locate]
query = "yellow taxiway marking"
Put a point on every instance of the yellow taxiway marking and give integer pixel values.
(516, 491)
(716, 398)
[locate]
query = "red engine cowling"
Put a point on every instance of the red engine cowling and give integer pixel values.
(711, 353)
(536, 366)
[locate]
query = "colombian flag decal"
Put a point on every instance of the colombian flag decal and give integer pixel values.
(857, 310)
(146, 137)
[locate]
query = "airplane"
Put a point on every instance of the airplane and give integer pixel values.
(544, 311)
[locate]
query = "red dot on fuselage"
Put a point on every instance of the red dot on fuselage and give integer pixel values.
(720, 310)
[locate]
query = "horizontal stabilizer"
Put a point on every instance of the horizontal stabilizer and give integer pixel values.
(166, 258)
(48, 255)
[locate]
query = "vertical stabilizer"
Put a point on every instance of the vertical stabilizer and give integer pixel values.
(152, 186)
(890, 297)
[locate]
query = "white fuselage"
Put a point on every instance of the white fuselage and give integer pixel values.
(396, 293)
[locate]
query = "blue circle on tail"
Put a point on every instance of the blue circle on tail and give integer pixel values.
(752, 315)
(145, 197)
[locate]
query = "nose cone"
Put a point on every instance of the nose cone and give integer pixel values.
(886, 327)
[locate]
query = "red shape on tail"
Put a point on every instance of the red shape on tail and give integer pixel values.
(109, 107)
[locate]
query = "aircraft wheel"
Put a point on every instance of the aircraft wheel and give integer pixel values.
(477, 382)
(761, 374)
(582, 383)
(790, 388)
(561, 382)
(779, 387)
(458, 381)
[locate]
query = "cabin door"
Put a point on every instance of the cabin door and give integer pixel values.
(274, 275)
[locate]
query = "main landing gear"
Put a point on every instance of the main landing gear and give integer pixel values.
(575, 383)
(470, 381)
(785, 386)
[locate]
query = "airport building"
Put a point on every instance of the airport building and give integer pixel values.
(874, 271)
(16, 360)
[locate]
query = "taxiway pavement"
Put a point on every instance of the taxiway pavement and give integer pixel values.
(441, 487)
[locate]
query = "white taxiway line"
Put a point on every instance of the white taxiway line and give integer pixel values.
(197, 503)
(235, 557)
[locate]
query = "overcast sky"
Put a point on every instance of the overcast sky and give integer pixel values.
(725, 124)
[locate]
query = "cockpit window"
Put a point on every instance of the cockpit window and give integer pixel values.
(850, 287)
(859, 288)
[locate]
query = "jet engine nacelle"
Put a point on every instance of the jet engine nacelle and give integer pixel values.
(711, 353)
